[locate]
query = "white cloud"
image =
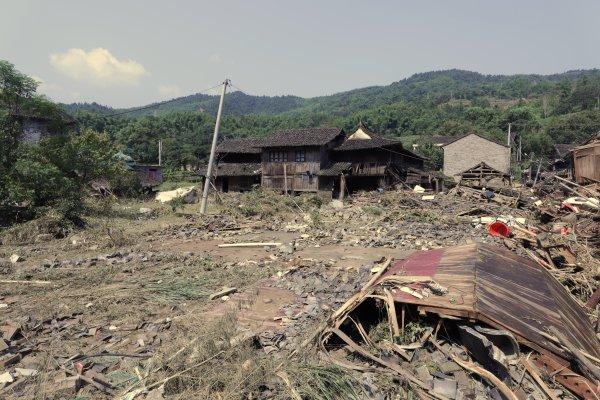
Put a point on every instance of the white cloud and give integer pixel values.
(98, 67)
(169, 91)
(215, 58)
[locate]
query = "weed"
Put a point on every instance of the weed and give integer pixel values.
(315, 217)
(380, 332)
(117, 237)
(177, 203)
(326, 382)
(51, 224)
(225, 368)
(412, 332)
(421, 216)
(373, 210)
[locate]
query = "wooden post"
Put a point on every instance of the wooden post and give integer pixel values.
(285, 186)
(213, 148)
(342, 186)
(160, 152)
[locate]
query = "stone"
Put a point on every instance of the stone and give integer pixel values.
(445, 387)
(286, 249)
(6, 378)
(26, 371)
(337, 204)
(15, 258)
(449, 367)
(145, 210)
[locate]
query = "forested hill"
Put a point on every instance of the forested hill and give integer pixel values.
(437, 86)
(544, 109)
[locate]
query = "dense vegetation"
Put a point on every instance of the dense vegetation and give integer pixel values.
(52, 176)
(561, 108)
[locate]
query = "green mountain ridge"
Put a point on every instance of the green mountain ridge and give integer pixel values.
(438, 86)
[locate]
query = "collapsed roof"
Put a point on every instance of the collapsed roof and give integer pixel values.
(500, 288)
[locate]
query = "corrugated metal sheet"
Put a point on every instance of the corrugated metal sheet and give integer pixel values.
(496, 286)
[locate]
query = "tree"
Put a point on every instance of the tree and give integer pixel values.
(53, 173)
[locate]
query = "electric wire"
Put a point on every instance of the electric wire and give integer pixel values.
(160, 103)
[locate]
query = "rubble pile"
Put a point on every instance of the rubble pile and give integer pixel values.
(412, 322)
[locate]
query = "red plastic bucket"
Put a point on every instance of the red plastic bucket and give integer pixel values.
(499, 229)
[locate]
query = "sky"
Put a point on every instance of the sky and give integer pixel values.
(131, 53)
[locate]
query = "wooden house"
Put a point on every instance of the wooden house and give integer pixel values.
(237, 165)
(470, 152)
(586, 161)
(149, 175)
(561, 156)
(292, 159)
(318, 160)
(367, 161)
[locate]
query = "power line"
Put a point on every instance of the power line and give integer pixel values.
(160, 104)
(237, 88)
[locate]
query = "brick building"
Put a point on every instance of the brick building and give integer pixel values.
(473, 151)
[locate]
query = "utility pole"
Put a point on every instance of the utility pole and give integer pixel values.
(508, 136)
(213, 147)
(160, 152)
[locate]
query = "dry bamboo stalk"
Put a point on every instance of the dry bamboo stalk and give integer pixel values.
(26, 282)
(250, 244)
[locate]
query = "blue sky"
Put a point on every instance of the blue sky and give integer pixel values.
(127, 53)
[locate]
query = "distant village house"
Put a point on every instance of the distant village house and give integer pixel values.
(35, 128)
(474, 157)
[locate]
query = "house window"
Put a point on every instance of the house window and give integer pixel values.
(300, 155)
(277, 156)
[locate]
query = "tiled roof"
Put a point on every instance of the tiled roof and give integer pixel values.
(249, 146)
(301, 137)
(335, 169)
(373, 143)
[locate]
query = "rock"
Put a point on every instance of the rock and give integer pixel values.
(156, 394)
(26, 371)
(445, 387)
(6, 378)
(75, 240)
(15, 258)
(145, 210)
(286, 249)
(337, 204)
(449, 367)
(43, 238)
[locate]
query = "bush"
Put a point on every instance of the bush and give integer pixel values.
(56, 175)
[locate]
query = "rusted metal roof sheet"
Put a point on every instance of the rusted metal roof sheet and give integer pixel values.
(496, 286)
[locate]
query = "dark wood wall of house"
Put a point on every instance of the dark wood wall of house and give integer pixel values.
(239, 157)
(299, 165)
(375, 161)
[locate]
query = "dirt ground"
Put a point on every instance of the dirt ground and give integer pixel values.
(124, 307)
